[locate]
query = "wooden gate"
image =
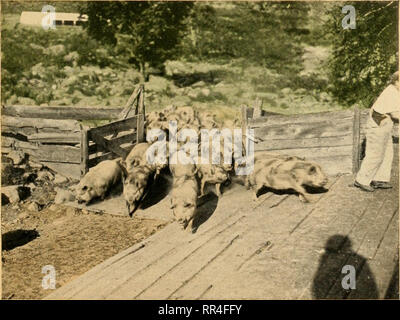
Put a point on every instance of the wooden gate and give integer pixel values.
(332, 139)
(117, 138)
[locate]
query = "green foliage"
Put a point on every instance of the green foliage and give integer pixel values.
(148, 32)
(363, 58)
(263, 32)
(36, 62)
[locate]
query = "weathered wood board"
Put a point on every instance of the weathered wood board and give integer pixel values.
(28, 126)
(276, 248)
(63, 112)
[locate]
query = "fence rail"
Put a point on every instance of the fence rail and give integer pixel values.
(333, 139)
(54, 137)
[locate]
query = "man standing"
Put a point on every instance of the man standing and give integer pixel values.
(377, 165)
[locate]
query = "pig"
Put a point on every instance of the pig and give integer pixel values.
(138, 158)
(184, 201)
(180, 170)
(207, 120)
(211, 173)
(283, 173)
(156, 120)
(98, 181)
(184, 116)
(135, 183)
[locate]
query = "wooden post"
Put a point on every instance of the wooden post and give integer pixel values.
(244, 124)
(140, 128)
(84, 151)
(356, 140)
(131, 101)
(257, 108)
(141, 101)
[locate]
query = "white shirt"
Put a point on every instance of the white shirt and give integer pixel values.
(387, 102)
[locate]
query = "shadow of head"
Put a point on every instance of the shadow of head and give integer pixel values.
(17, 238)
(338, 244)
(158, 190)
(205, 209)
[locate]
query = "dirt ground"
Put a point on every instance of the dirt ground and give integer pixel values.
(70, 239)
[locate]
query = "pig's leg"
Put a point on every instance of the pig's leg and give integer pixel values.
(189, 226)
(255, 198)
(218, 189)
(303, 195)
(203, 183)
(128, 207)
(256, 189)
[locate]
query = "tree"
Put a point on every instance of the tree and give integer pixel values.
(265, 33)
(149, 32)
(365, 57)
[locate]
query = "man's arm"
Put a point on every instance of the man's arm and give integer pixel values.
(394, 116)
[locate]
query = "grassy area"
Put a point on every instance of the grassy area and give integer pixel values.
(66, 67)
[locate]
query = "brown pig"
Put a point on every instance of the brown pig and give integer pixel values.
(135, 187)
(98, 181)
(180, 170)
(282, 173)
(184, 201)
(138, 158)
(211, 173)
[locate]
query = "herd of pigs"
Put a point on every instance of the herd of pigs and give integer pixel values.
(137, 174)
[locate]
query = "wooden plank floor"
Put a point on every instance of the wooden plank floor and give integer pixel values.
(277, 248)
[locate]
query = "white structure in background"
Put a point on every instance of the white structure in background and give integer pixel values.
(34, 18)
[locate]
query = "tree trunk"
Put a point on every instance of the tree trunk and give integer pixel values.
(142, 67)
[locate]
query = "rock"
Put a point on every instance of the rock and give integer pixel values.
(15, 193)
(59, 179)
(325, 97)
(16, 156)
(26, 101)
(192, 94)
(63, 196)
(206, 92)
(70, 211)
(12, 100)
(53, 207)
(44, 175)
(286, 90)
(4, 199)
(33, 206)
(199, 84)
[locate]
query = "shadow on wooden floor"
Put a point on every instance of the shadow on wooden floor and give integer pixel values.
(335, 271)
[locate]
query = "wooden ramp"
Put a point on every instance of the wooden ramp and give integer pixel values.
(277, 248)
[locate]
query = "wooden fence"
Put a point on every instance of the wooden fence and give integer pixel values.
(115, 139)
(332, 139)
(53, 135)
